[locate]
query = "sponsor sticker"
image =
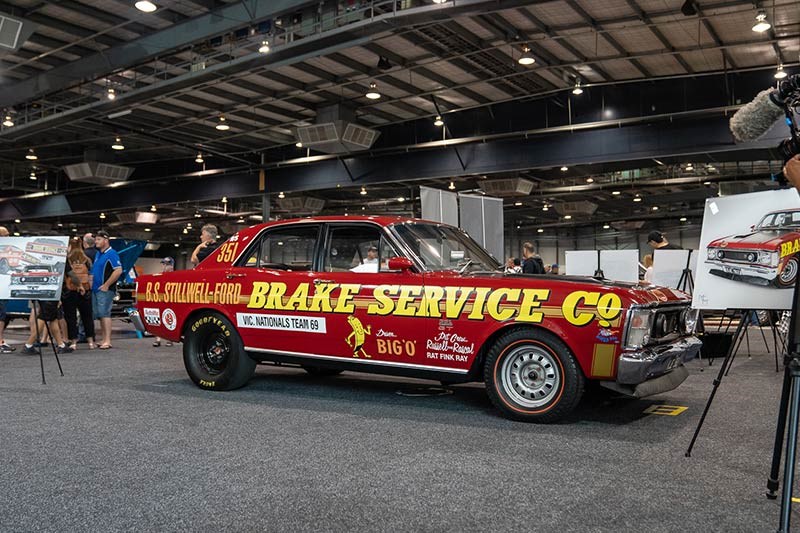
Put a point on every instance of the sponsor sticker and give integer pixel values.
(306, 324)
(169, 319)
(606, 335)
(152, 316)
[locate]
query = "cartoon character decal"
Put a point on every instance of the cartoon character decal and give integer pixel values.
(357, 338)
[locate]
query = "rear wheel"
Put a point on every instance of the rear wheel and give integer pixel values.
(532, 376)
(788, 275)
(318, 371)
(214, 355)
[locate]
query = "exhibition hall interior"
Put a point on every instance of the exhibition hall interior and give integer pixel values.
(399, 265)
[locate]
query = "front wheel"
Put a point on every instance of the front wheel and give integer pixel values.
(214, 355)
(532, 376)
(788, 275)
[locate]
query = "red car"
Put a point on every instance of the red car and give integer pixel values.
(415, 298)
(768, 255)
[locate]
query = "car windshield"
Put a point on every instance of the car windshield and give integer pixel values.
(445, 247)
(788, 219)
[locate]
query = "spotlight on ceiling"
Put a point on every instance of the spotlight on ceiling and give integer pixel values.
(383, 63)
(222, 125)
(655, 208)
(688, 8)
(616, 193)
(567, 217)
(8, 122)
(589, 180)
(153, 208)
(33, 176)
(564, 169)
(199, 159)
(401, 199)
(689, 167)
(606, 226)
(298, 144)
(526, 58)
(281, 195)
(145, 6)
(780, 73)
(185, 231)
(111, 94)
(540, 230)
(102, 216)
(438, 122)
(637, 198)
(224, 200)
(761, 24)
(117, 144)
(577, 90)
(683, 219)
(264, 48)
(31, 155)
(545, 207)
(373, 93)
(452, 186)
(363, 191)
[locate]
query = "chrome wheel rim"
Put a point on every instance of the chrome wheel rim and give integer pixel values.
(530, 376)
(789, 272)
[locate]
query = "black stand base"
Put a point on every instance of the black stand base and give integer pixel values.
(39, 344)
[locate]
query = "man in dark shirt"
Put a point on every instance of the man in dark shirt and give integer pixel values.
(88, 246)
(532, 263)
(659, 241)
(208, 243)
(106, 270)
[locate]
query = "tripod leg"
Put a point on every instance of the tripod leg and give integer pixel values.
(53, 344)
(737, 341)
(717, 382)
(763, 337)
(36, 326)
(780, 431)
(791, 448)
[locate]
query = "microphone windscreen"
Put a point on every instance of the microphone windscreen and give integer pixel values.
(753, 119)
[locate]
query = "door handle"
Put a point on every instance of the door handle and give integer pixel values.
(232, 276)
(320, 281)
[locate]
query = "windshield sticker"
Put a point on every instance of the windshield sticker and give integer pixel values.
(305, 324)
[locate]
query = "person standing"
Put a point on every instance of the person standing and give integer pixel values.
(4, 346)
(531, 263)
(88, 246)
(659, 241)
(208, 243)
(76, 296)
(647, 261)
(167, 265)
(106, 270)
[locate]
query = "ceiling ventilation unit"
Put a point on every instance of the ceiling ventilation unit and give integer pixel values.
(336, 132)
(301, 204)
(729, 188)
(507, 187)
(582, 207)
(628, 225)
(93, 170)
(14, 32)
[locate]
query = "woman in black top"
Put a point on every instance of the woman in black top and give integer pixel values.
(76, 295)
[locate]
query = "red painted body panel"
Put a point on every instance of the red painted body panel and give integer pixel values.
(431, 320)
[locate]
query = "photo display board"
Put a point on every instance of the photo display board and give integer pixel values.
(749, 251)
(620, 265)
(32, 268)
(668, 267)
(581, 262)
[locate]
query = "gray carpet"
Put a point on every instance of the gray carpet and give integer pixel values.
(125, 442)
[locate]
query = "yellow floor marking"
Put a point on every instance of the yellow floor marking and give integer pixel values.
(796, 500)
(666, 410)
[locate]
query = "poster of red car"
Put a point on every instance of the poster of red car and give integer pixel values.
(750, 251)
(32, 268)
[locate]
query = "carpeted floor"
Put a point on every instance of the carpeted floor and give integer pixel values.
(125, 442)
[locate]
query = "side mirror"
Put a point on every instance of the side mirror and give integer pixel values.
(752, 227)
(400, 263)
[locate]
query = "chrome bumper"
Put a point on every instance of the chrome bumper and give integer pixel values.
(652, 362)
(748, 273)
(135, 319)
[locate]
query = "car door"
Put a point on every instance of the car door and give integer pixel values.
(276, 272)
(376, 321)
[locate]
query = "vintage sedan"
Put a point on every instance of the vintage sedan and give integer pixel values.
(767, 255)
(415, 298)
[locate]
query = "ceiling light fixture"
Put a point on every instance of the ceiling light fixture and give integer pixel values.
(199, 158)
(363, 191)
(706, 183)
(222, 125)
(153, 208)
(761, 24)
(146, 6)
(147, 229)
(683, 219)
(102, 216)
(637, 198)
(439, 1)
(689, 167)
(567, 217)
(606, 226)
(438, 122)
(111, 94)
(517, 204)
(526, 58)
(564, 169)
(589, 180)
(17, 221)
(240, 220)
(577, 91)
(373, 93)
(185, 231)
(31, 155)
(264, 48)
(540, 230)
(452, 186)
(780, 73)
(281, 195)
(655, 208)
(545, 207)
(224, 199)
(33, 176)
(298, 144)
(8, 122)
(177, 245)
(401, 199)
(197, 214)
(117, 144)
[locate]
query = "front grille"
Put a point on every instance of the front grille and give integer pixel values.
(741, 256)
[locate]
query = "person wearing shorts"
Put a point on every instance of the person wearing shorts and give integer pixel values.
(106, 270)
(47, 316)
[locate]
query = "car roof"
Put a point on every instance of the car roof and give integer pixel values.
(382, 220)
(793, 210)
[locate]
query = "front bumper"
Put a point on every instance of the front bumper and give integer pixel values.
(652, 362)
(747, 273)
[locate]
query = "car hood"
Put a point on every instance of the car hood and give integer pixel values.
(635, 293)
(765, 239)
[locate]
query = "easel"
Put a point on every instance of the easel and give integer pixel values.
(598, 272)
(686, 281)
(746, 315)
(39, 344)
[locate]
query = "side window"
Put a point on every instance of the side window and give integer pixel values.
(357, 248)
(290, 248)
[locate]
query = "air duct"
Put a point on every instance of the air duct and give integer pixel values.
(583, 207)
(505, 188)
(95, 170)
(336, 132)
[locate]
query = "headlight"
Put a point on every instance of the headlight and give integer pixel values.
(689, 320)
(712, 253)
(720, 254)
(768, 258)
(639, 326)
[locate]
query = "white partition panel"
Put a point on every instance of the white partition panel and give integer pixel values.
(482, 218)
(439, 206)
(620, 265)
(581, 262)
